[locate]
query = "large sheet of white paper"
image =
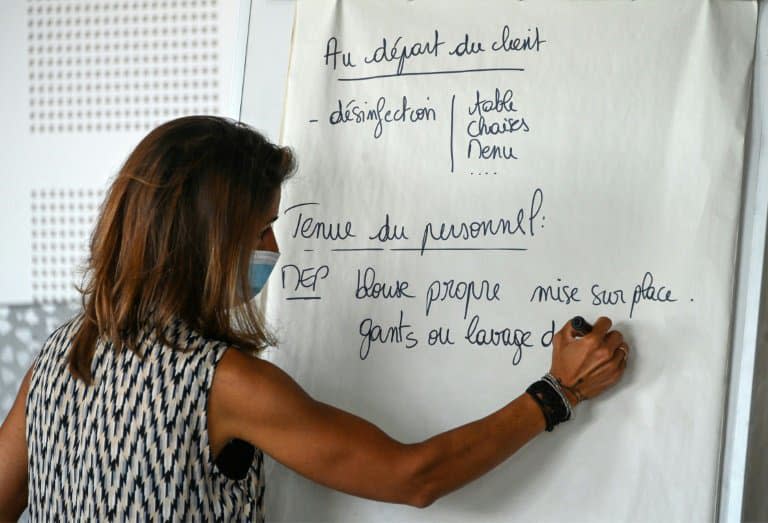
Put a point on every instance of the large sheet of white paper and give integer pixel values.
(473, 174)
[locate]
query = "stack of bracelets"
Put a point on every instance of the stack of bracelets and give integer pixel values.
(548, 393)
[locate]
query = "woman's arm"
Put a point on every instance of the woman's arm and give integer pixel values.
(13, 458)
(255, 401)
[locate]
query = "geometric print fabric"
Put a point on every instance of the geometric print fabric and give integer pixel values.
(134, 444)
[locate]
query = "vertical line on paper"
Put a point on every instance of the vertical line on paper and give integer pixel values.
(453, 103)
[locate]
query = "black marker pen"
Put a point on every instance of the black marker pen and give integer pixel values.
(581, 326)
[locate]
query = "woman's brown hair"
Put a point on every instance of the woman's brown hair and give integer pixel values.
(174, 238)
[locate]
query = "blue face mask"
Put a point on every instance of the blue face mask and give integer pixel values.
(259, 269)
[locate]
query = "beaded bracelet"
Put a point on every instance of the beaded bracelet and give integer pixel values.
(573, 390)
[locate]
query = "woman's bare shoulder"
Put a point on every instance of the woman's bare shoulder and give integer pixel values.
(238, 371)
(247, 390)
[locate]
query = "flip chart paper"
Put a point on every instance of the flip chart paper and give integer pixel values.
(472, 175)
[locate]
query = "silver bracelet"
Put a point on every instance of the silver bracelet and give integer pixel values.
(549, 378)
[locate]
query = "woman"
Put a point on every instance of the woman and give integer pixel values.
(144, 405)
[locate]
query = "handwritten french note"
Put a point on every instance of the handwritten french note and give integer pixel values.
(474, 174)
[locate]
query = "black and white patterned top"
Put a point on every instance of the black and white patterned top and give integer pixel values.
(134, 445)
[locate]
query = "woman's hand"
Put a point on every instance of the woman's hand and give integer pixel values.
(590, 364)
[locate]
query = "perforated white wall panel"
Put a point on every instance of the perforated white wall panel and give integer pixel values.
(82, 82)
